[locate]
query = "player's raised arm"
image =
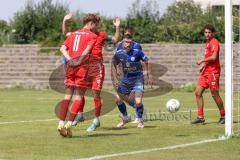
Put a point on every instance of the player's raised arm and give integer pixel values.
(116, 23)
(65, 29)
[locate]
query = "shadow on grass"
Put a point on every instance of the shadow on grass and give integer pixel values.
(150, 126)
(115, 128)
(206, 123)
(182, 135)
(127, 127)
(102, 135)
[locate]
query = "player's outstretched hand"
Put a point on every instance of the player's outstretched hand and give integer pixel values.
(117, 22)
(68, 16)
(201, 68)
(73, 63)
(200, 61)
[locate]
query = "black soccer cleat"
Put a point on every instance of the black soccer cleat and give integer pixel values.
(198, 120)
(222, 120)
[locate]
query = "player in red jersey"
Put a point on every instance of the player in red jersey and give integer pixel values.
(96, 68)
(210, 74)
(76, 49)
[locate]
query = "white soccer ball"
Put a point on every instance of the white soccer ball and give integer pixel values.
(173, 105)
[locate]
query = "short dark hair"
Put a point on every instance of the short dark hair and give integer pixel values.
(209, 27)
(91, 18)
(130, 29)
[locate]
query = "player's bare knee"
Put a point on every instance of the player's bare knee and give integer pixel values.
(138, 102)
(215, 94)
(198, 94)
(96, 95)
(78, 97)
(67, 97)
(118, 101)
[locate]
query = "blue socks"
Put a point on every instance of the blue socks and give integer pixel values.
(123, 109)
(139, 110)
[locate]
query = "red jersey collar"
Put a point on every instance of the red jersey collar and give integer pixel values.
(85, 29)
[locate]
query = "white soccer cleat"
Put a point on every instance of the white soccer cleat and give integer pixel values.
(124, 120)
(135, 121)
(140, 124)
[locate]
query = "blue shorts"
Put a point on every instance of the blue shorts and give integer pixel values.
(133, 84)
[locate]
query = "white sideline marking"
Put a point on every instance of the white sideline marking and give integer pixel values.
(40, 120)
(152, 149)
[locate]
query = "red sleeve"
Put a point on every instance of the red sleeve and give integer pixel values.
(215, 47)
(92, 39)
(104, 35)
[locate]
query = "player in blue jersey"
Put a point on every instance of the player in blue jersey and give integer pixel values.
(131, 85)
(135, 46)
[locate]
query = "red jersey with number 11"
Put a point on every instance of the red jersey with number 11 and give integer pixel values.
(77, 42)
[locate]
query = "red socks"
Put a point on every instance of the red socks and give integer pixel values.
(97, 106)
(76, 107)
(74, 110)
(64, 109)
(222, 112)
(200, 112)
(81, 105)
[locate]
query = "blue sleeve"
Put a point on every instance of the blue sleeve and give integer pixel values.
(137, 46)
(143, 56)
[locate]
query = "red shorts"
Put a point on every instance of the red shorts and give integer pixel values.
(210, 80)
(97, 72)
(77, 77)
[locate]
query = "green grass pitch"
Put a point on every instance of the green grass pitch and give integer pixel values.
(39, 140)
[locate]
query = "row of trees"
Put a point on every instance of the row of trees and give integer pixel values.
(182, 23)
